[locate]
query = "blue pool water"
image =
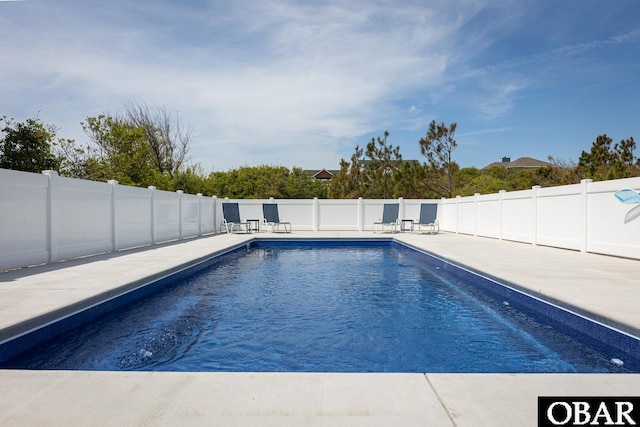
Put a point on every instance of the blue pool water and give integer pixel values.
(331, 309)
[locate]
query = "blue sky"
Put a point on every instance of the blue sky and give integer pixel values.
(300, 83)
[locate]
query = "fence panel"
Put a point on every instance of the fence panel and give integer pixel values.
(133, 216)
(24, 230)
(208, 215)
(299, 212)
(166, 216)
(448, 215)
(190, 215)
(81, 217)
(467, 215)
(518, 216)
(613, 227)
(489, 214)
(561, 217)
(338, 214)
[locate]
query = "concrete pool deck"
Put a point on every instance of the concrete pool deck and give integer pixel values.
(607, 287)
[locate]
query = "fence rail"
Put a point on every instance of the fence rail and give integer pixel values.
(47, 218)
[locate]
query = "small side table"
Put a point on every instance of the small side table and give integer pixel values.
(253, 225)
(406, 225)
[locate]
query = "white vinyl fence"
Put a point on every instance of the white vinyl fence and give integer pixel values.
(47, 218)
(586, 217)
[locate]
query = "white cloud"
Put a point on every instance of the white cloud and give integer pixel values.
(288, 75)
(279, 82)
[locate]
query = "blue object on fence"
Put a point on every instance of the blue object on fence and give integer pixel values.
(628, 196)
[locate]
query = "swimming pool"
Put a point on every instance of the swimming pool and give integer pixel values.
(329, 307)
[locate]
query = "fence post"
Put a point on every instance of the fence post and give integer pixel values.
(458, 214)
(534, 199)
(199, 213)
(114, 219)
(476, 210)
(316, 214)
(215, 213)
(584, 193)
(360, 214)
(501, 194)
(153, 214)
(401, 210)
(180, 193)
(52, 244)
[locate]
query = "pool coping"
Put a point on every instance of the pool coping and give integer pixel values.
(61, 397)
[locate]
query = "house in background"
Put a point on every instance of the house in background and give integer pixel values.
(327, 174)
(519, 164)
(323, 174)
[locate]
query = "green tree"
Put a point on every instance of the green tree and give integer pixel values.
(438, 146)
(27, 146)
(348, 182)
(167, 140)
(75, 161)
(383, 163)
(604, 162)
(262, 182)
(191, 179)
(561, 173)
(302, 186)
(119, 152)
(141, 146)
(625, 164)
(483, 184)
(411, 180)
(469, 181)
(599, 158)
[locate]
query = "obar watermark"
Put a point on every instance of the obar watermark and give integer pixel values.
(588, 411)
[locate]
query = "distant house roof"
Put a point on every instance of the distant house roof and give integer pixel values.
(521, 163)
(322, 173)
(326, 174)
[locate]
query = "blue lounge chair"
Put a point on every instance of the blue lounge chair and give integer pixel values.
(389, 217)
(231, 221)
(272, 219)
(428, 218)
